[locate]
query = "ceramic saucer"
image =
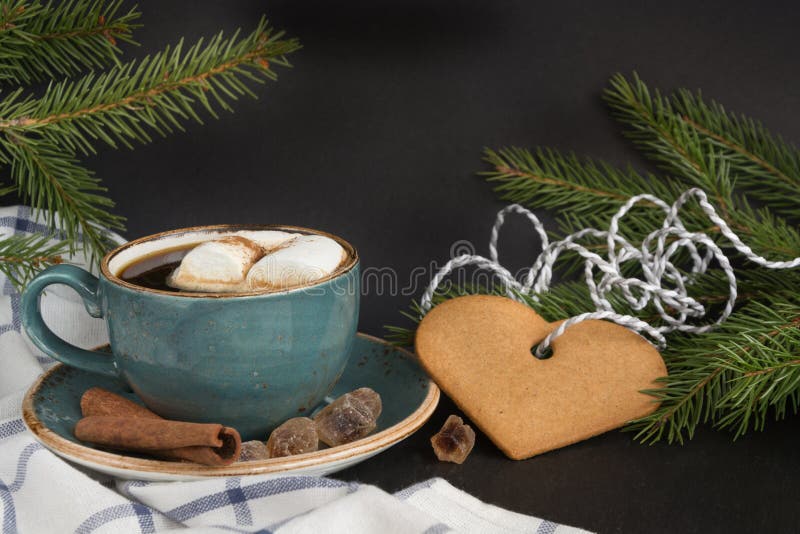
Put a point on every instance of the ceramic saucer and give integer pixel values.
(52, 407)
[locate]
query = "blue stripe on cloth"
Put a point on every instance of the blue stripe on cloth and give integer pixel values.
(239, 501)
(7, 328)
(229, 528)
(199, 506)
(45, 360)
(438, 528)
(145, 517)
(14, 297)
(31, 227)
(119, 511)
(9, 513)
(22, 465)
(9, 221)
(252, 491)
(411, 490)
(234, 529)
(16, 312)
(287, 484)
(11, 428)
(27, 222)
(547, 527)
(16, 306)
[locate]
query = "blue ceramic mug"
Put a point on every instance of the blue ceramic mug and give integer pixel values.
(245, 360)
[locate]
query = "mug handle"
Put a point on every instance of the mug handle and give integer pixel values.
(86, 285)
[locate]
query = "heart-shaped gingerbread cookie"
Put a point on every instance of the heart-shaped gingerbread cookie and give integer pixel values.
(478, 350)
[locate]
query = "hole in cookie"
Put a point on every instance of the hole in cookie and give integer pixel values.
(545, 354)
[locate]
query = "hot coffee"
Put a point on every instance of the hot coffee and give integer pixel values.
(239, 262)
(155, 278)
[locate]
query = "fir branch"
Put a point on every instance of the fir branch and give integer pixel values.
(754, 154)
(662, 135)
(41, 41)
(766, 379)
(587, 193)
(129, 102)
(732, 377)
(22, 256)
(689, 138)
(66, 194)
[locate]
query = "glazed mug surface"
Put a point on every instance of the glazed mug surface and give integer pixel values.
(246, 360)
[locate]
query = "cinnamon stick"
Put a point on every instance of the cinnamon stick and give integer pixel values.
(99, 401)
(115, 422)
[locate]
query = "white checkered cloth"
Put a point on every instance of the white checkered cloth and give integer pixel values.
(40, 492)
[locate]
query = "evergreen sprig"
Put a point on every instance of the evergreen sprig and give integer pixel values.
(733, 377)
(40, 41)
(42, 137)
(155, 95)
(764, 165)
(747, 371)
(587, 193)
(687, 137)
(21, 256)
(49, 177)
(592, 190)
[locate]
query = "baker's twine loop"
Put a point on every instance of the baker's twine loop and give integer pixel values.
(604, 275)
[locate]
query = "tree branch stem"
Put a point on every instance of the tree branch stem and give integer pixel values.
(736, 147)
(561, 183)
(139, 97)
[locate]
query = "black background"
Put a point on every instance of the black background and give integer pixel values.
(376, 135)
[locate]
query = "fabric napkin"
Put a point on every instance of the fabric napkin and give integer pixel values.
(40, 492)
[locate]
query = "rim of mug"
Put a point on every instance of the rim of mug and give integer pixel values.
(340, 271)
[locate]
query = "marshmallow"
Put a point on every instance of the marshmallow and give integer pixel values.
(267, 239)
(303, 260)
(217, 266)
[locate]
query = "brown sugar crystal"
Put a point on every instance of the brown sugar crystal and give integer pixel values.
(370, 399)
(253, 450)
(295, 436)
(350, 417)
(454, 441)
